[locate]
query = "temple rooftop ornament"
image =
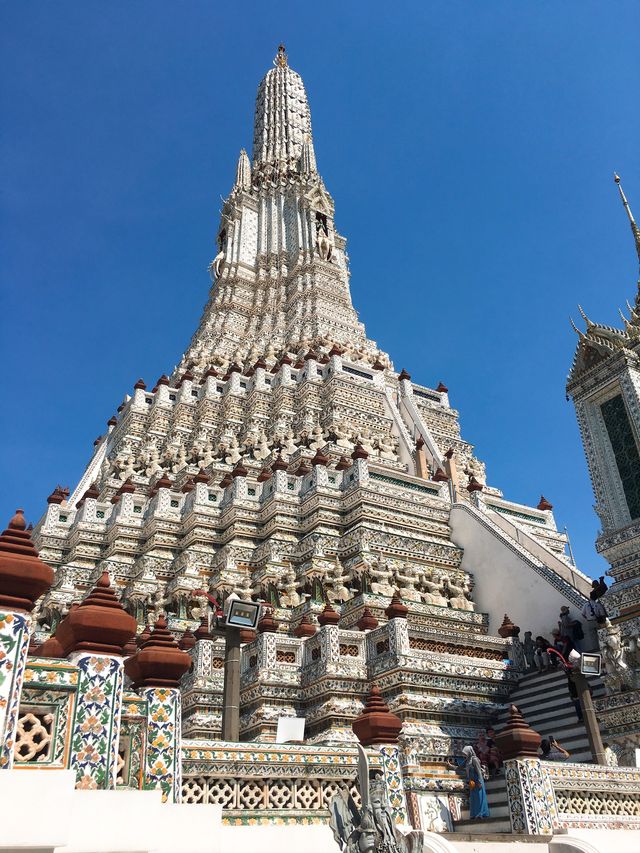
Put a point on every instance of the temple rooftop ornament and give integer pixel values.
(376, 724)
(160, 662)
(239, 471)
(202, 632)
(23, 575)
(635, 230)
(268, 625)
(187, 641)
(367, 622)
(599, 340)
(508, 629)
(473, 485)
(517, 739)
(281, 57)
(98, 624)
(543, 504)
(329, 616)
(58, 495)
(143, 636)
(396, 609)
(305, 627)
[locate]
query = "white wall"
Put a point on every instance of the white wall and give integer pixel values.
(505, 582)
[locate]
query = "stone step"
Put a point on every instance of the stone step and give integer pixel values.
(470, 842)
(482, 827)
(548, 685)
(496, 809)
(570, 738)
(564, 718)
(533, 675)
(487, 842)
(545, 698)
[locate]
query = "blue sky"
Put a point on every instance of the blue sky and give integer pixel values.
(469, 148)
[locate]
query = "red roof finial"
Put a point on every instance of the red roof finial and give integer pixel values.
(305, 627)
(99, 624)
(23, 575)
(376, 724)
(517, 739)
(396, 610)
(328, 616)
(161, 662)
(367, 622)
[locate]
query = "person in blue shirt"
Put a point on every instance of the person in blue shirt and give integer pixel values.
(478, 805)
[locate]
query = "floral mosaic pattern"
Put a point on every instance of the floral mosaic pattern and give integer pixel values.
(532, 804)
(163, 766)
(96, 725)
(14, 643)
(50, 673)
(267, 759)
(393, 780)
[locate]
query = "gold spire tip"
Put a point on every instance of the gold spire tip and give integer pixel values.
(281, 57)
(616, 178)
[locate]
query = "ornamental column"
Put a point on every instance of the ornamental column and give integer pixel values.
(378, 727)
(23, 579)
(156, 671)
(532, 804)
(93, 636)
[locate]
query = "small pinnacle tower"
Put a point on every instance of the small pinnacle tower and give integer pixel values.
(604, 384)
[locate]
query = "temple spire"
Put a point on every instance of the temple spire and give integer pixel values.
(243, 171)
(632, 222)
(282, 122)
(307, 157)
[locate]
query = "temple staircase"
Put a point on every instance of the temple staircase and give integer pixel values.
(543, 700)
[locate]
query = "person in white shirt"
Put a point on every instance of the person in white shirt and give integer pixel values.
(551, 750)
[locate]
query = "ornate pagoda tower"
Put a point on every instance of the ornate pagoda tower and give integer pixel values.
(604, 384)
(285, 459)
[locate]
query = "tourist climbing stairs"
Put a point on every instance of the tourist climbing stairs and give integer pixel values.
(544, 701)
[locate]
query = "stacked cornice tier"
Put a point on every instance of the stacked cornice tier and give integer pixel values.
(285, 459)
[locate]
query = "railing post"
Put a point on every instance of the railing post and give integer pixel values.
(532, 803)
(23, 579)
(156, 671)
(14, 643)
(95, 728)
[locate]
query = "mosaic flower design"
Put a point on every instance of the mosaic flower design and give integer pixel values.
(14, 643)
(94, 739)
(163, 742)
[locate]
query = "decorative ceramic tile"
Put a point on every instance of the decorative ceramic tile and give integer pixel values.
(47, 672)
(163, 767)
(393, 780)
(14, 644)
(96, 724)
(532, 805)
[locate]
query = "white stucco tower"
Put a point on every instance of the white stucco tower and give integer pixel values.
(604, 384)
(281, 275)
(286, 459)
